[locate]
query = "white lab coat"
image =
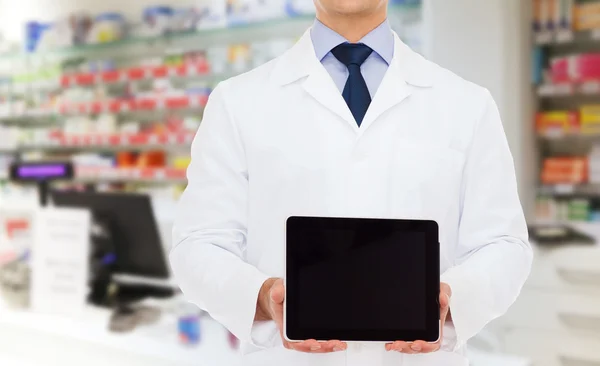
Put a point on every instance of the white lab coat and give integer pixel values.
(280, 141)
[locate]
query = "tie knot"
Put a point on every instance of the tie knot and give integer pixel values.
(352, 53)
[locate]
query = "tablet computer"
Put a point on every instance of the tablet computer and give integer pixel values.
(362, 280)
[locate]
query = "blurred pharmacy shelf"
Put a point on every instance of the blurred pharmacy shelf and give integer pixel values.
(85, 174)
(109, 104)
(566, 37)
(208, 37)
(134, 74)
(569, 89)
(236, 33)
(565, 74)
(111, 142)
(573, 136)
(118, 106)
(571, 190)
(95, 174)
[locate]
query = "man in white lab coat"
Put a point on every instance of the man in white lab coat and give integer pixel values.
(350, 122)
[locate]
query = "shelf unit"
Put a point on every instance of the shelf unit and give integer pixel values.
(566, 95)
(566, 38)
(216, 54)
(108, 142)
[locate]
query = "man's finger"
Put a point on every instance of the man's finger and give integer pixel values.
(312, 346)
(444, 306)
(278, 292)
(400, 346)
(444, 300)
(424, 347)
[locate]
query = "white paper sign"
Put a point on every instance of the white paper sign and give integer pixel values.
(60, 261)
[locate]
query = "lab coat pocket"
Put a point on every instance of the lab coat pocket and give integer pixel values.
(426, 180)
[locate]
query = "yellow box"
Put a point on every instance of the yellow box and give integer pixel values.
(587, 9)
(587, 23)
(589, 114)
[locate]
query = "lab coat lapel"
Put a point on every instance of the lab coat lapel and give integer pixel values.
(322, 88)
(407, 73)
(301, 62)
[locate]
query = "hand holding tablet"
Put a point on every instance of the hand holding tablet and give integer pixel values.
(363, 280)
(271, 300)
(422, 346)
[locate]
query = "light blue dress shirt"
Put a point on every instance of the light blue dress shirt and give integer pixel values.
(381, 41)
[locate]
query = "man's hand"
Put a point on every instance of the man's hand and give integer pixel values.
(270, 307)
(422, 346)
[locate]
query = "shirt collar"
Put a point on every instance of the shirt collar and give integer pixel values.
(380, 40)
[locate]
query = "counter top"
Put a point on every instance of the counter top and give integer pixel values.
(158, 341)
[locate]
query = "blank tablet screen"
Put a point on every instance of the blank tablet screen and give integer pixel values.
(361, 279)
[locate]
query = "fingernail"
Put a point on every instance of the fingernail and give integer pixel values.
(337, 349)
(414, 347)
(316, 347)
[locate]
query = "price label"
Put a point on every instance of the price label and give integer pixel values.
(160, 174)
(565, 36)
(562, 89)
(554, 133)
(543, 38)
(194, 101)
(545, 90)
(590, 87)
(564, 189)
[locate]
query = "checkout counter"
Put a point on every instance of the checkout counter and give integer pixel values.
(30, 339)
(133, 314)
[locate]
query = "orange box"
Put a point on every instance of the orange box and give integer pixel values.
(152, 159)
(564, 121)
(571, 170)
(587, 16)
(126, 159)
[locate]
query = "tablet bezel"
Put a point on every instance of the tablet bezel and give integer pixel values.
(295, 333)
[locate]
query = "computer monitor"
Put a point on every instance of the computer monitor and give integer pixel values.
(135, 235)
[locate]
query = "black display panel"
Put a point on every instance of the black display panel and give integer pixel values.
(362, 279)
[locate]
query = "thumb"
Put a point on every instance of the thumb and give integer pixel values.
(278, 292)
(445, 293)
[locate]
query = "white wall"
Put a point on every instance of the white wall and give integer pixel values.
(487, 42)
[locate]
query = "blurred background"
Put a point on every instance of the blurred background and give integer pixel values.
(117, 88)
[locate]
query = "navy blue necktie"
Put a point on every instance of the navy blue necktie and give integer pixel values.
(356, 94)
